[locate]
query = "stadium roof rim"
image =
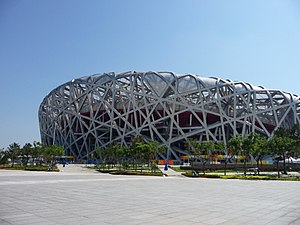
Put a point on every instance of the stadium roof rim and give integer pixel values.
(209, 81)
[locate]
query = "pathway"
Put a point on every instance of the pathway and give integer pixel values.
(170, 172)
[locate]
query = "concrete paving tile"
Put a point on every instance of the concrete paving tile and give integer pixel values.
(169, 221)
(286, 219)
(4, 222)
(228, 216)
(185, 216)
(205, 217)
(259, 221)
(124, 221)
(30, 221)
(292, 214)
(43, 223)
(214, 221)
(140, 200)
(198, 219)
(94, 223)
(140, 216)
(295, 222)
(186, 222)
(16, 216)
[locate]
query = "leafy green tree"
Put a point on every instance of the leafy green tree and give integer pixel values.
(259, 148)
(125, 157)
(97, 153)
(25, 154)
(112, 154)
(200, 151)
(130, 157)
(139, 153)
(142, 151)
(281, 145)
(206, 149)
(235, 144)
(3, 157)
(137, 150)
(222, 147)
(159, 150)
(155, 149)
(13, 152)
(36, 152)
(119, 154)
(102, 154)
(145, 152)
(50, 152)
(294, 133)
(194, 149)
(108, 156)
(248, 144)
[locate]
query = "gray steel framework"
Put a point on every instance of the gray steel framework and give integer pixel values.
(169, 108)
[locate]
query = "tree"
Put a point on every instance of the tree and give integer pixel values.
(222, 147)
(259, 148)
(248, 144)
(49, 154)
(156, 149)
(13, 152)
(142, 151)
(285, 143)
(125, 157)
(206, 148)
(194, 149)
(3, 157)
(281, 146)
(200, 151)
(119, 152)
(294, 133)
(112, 148)
(235, 144)
(25, 154)
(130, 157)
(137, 150)
(111, 155)
(36, 151)
(99, 156)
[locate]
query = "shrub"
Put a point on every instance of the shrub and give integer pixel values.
(195, 175)
(136, 173)
(241, 177)
(42, 168)
(8, 167)
(210, 175)
(31, 168)
(106, 170)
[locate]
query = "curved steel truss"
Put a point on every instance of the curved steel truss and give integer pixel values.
(169, 108)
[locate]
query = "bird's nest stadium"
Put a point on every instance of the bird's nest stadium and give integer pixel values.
(100, 109)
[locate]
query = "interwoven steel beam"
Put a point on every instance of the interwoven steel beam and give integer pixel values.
(104, 108)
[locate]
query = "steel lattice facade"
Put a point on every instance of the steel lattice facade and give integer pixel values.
(104, 108)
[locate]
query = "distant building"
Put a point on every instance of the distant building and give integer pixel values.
(169, 108)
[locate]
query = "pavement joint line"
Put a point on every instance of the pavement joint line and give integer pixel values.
(3, 183)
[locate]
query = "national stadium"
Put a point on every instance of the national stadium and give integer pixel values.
(100, 109)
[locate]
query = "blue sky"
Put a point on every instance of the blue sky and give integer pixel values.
(46, 43)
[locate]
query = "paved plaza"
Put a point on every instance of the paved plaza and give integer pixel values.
(82, 196)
